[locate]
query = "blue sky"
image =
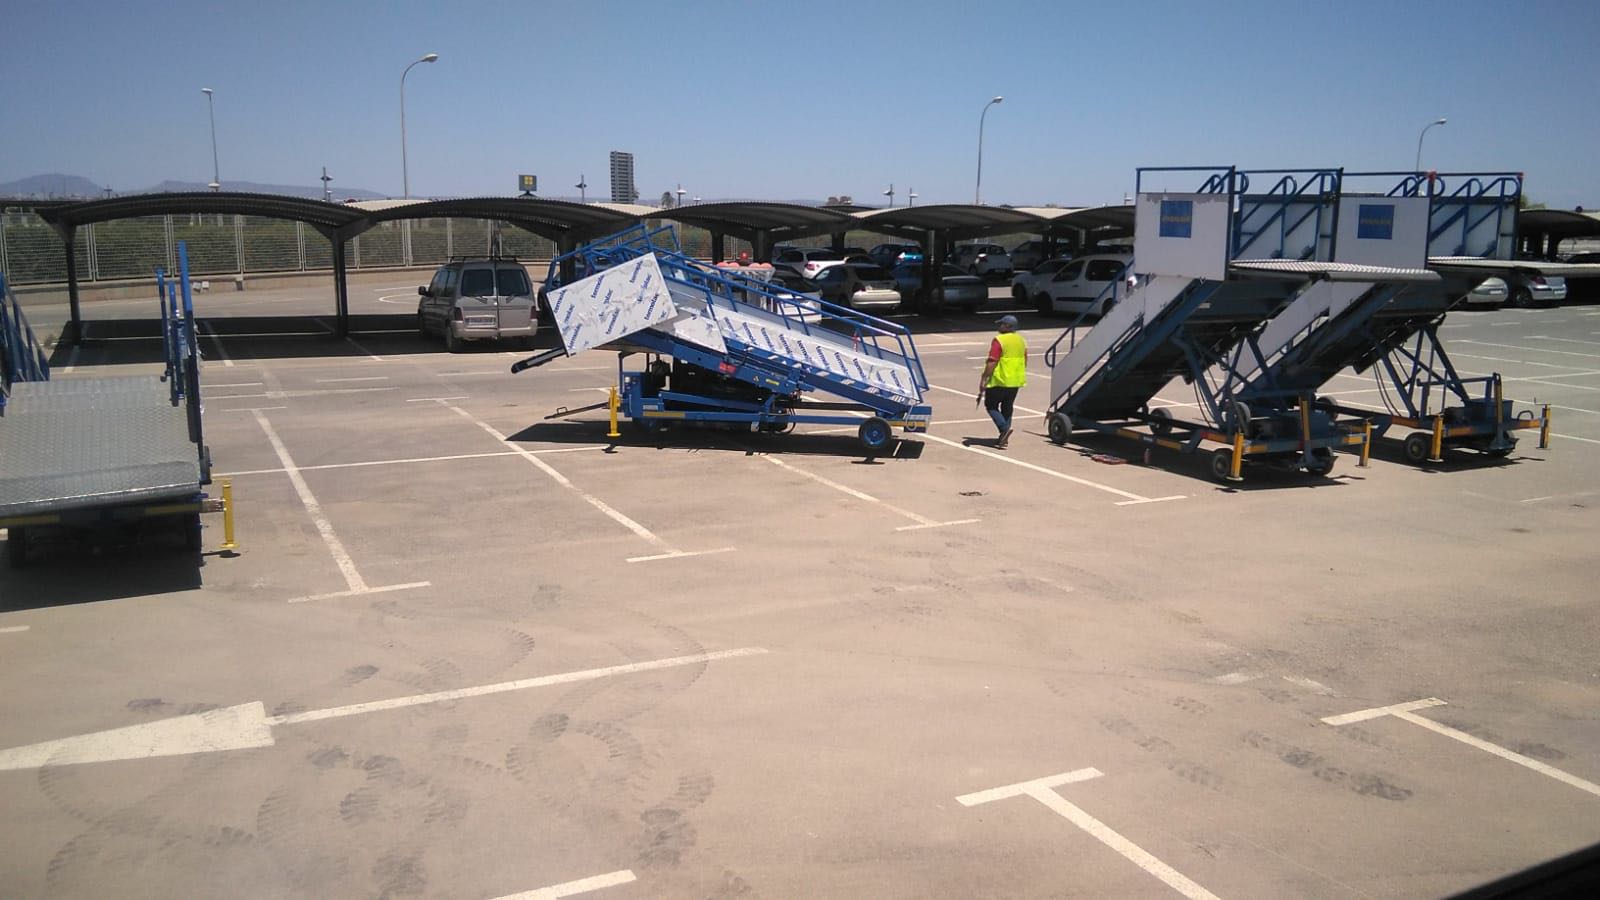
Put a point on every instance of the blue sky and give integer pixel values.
(798, 100)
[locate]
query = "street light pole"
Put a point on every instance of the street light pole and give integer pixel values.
(405, 171)
(583, 190)
(1439, 121)
(211, 110)
(977, 191)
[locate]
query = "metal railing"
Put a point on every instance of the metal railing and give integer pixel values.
(22, 358)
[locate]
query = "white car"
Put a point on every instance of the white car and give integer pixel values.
(478, 299)
(1492, 292)
(983, 260)
(1028, 284)
(1088, 284)
(806, 262)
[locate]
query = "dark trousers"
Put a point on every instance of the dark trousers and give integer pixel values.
(999, 401)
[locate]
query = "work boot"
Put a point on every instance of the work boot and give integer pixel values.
(1005, 438)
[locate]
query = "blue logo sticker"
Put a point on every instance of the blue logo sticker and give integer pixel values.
(598, 284)
(634, 276)
(1375, 222)
(571, 311)
(651, 309)
(648, 280)
(612, 325)
(1177, 218)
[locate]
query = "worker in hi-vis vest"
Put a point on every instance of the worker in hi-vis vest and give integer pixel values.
(1003, 376)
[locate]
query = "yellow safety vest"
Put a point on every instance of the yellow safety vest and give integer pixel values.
(1012, 369)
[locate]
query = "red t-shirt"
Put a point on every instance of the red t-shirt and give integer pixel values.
(994, 350)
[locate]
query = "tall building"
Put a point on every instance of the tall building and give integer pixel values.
(622, 188)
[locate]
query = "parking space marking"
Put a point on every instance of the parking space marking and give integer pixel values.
(247, 726)
(667, 550)
(435, 399)
(573, 888)
(281, 395)
(409, 460)
(211, 332)
(1236, 678)
(1042, 790)
(1531, 349)
(1573, 437)
(14, 629)
(341, 557)
(373, 356)
(1546, 337)
(1407, 712)
(921, 521)
(334, 595)
(253, 408)
(212, 387)
(1132, 499)
(362, 378)
(1033, 412)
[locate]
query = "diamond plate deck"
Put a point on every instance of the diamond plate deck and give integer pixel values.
(78, 443)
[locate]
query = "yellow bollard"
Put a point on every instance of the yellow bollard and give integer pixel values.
(228, 543)
(1544, 430)
(614, 401)
(1238, 457)
(1438, 439)
(1366, 443)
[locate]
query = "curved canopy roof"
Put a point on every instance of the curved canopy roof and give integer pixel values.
(1561, 223)
(959, 219)
(277, 206)
(745, 218)
(548, 218)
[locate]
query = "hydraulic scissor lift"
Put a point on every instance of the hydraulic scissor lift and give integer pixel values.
(722, 347)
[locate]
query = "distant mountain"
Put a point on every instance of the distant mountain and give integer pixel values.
(52, 185)
(78, 187)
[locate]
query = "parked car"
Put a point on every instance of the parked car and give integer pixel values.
(478, 299)
(1029, 254)
(1088, 284)
(1490, 293)
(806, 261)
(1026, 284)
(983, 260)
(862, 287)
(956, 288)
(1527, 289)
(891, 255)
(1584, 259)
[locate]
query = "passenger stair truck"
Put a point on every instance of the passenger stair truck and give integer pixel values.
(92, 455)
(1214, 266)
(1422, 224)
(720, 346)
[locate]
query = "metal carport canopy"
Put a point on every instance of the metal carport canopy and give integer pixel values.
(1118, 220)
(565, 223)
(317, 213)
(1559, 223)
(954, 221)
(746, 219)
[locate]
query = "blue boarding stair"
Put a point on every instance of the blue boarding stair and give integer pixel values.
(1213, 266)
(1394, 331)
(723, 347)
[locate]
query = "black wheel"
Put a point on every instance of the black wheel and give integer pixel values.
(1060, 428)
(1522, 298)
(422, 326)
(452, 343)
(1222, 464)
(1107, 308)
(972, 270)
(1019, 293)
(1241, 416)
(1418, 446)
(1322, 460)
(17, 546)
(875, 435)
(1043, 305)
(1160, 422)
(1500, 452)
(970, 310)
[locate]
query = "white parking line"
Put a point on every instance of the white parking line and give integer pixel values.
(373, 356)
(668, 551)
(1131, 498)
(334, 595)
(573, 888)
(1531, 349)
(212, 387)
(936, 387)
(921, 521)
(278, 395)
(14, 629)
(410, 460)
(1042, 790)
(1546, 337)
(342, 380)
(1406, 712)
(72, 360)
(222, 352)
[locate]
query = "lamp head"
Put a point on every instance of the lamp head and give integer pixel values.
(431, 57)
(206, 91)
(1440, 121)
(997, 99)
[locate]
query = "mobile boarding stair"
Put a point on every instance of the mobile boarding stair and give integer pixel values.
(1393, 329)
(1214, 267)
(742, 352)
(94, 454)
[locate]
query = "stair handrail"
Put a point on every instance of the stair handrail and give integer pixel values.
(1070, 335)
(1288, 187)
(25, 358)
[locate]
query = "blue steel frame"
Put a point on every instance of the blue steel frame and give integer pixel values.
(24, 358)
(1498, 193)
(182, 352)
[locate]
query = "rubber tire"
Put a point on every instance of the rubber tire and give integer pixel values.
(1222, 464)
(1160, 422)
(1106, 309)
(1019, 293)
(1501, 453)
(1060, 428)
(875, 435)
(1417, 447)
(1521, 298)
(1323, 461)
(1043, 305)
(970, 310)
(422, 326)
(17, 546)
(452, 344)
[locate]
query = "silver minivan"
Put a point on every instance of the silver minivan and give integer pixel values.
(478, 299)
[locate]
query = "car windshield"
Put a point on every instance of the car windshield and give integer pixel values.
(1104, 269)
(823, 254)
(1046, 268)
(872, 273)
